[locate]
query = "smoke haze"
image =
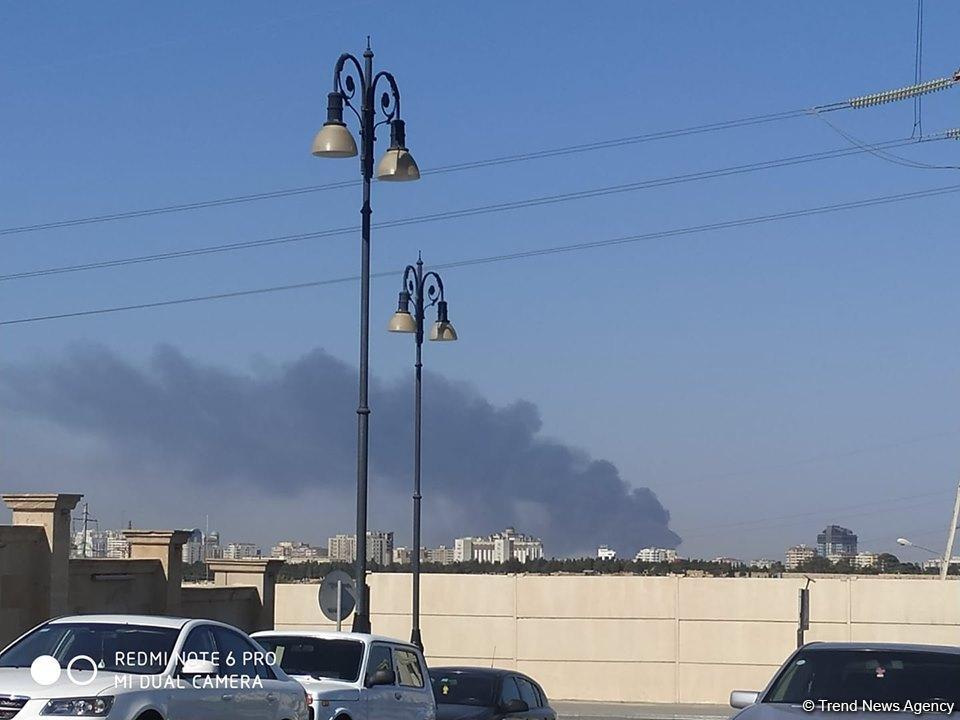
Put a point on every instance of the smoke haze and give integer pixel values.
(270, 454)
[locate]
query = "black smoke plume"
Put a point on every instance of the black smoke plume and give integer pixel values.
(289, 433)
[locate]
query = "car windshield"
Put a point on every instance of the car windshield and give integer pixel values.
(871, 675)
(319, 658)
(463, 688)
(137, 649)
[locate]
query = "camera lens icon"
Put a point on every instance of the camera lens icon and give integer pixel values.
(46, 670)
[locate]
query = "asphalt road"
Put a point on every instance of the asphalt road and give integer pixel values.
(628, 711)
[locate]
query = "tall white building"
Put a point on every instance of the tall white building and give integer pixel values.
(441, 555)
(343, 548)
(296, 552)
(656, 555)
(95, 542)
(117, 545)
(241, 551)
(797, 555)
(605, 553)
(498, 548)
(212, 550)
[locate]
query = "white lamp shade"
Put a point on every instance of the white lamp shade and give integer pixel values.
(443, 332)
(402, 322)
(334, 141)
(397, 165)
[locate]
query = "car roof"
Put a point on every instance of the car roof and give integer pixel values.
(149, 620)
(492, 672)
(900, 647)
(331, 635)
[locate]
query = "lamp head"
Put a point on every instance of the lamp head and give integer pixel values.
(402, 321)
(903, 541)
(397, 164)
(334, 139)
(442, 330)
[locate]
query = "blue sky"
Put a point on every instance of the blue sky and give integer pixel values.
(793, 369)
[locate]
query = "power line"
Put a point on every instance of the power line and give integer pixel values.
(505, 257)
(864, 101)
(889, 156)
(457, 167)
(474, 211)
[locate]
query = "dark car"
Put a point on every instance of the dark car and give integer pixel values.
(470, 693)
(858, 680)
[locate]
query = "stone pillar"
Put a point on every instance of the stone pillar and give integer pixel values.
(167, 547)
(51, 511)
(260, 573)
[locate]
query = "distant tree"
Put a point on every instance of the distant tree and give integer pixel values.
(817, 564)
(888, 563)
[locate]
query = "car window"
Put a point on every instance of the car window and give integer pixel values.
(316, 657)
(381, 658)
(509, 690)
(541, 696)
(464, 688)
(858, 675)
(110, 645)
(235, 654)
(527, 693)
(199, 645)
(409, 672)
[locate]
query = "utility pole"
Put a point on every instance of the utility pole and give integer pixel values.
(86, 522)
(951, 534)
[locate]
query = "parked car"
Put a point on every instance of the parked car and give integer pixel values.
(354, 676)
(859, 679)
(470, 693)
(133, 667)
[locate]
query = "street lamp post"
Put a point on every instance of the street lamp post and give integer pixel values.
(424, 290)
(351, 80)
(944, 559)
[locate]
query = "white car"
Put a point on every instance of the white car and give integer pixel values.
(354, 676)
(139, 667)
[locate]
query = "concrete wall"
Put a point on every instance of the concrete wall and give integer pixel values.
(641, 639)
(237, 605)
(24, 579)
(120, 586)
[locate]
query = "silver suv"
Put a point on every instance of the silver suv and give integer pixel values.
(354, 676)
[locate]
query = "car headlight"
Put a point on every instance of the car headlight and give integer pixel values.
(79, 706)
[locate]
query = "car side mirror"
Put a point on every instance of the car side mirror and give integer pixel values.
(382, 677)
(743, 698)
(196, 666)
(516, 705)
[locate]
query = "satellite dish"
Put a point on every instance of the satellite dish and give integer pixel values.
(330, 603)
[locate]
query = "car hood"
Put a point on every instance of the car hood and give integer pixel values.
(463, 712)
(328, 689)
(782, 711)
(18, 681)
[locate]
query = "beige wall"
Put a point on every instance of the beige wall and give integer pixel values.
(237, 605)
(117, 586)
(24, 580)
(641, 639)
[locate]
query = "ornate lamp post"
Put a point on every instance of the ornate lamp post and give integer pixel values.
(351, 83)
(424, 290)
